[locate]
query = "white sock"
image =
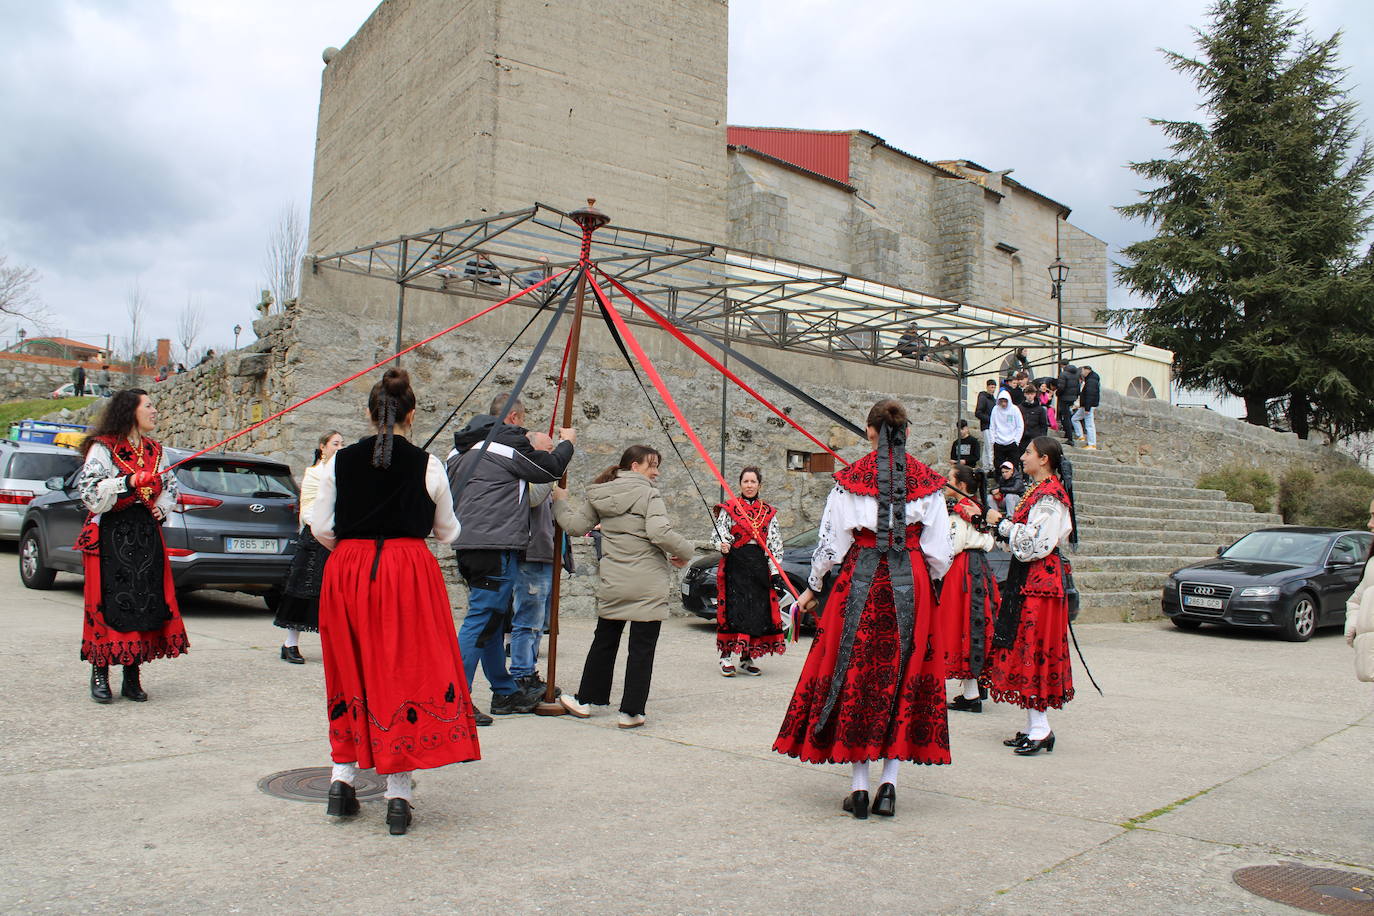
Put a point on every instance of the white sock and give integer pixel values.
(293, 638)
(398, 785)
(1037, 724)
(344, 772)
(860, 781)
(970, 688)
(890, 770)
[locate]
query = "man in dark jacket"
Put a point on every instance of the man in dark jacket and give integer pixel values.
(1035, 422)
(1084, 420)
(1069, 387)
(987, 399)
(533, 581)
(493, 511)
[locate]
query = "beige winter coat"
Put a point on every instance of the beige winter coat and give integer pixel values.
(636, 541)
(1359, 624)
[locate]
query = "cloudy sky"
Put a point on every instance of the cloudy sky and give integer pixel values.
(155, 142)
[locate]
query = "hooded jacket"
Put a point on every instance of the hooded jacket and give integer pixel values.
(494, 508)
(1070, 384)
(983, 410)
(1091, 394)
(636, 540)
(1007, 424)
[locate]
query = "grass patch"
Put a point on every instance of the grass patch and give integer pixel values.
(1136, 822)
(12, 412)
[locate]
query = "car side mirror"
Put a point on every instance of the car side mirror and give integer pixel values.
(1220, 551)
(55, 483)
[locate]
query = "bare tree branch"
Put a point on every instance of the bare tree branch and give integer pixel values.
(136, 307)
(18, 296)
(189, 323)
(285, 248)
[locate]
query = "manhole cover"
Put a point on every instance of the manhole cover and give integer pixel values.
(1317, 890)
(311, 784)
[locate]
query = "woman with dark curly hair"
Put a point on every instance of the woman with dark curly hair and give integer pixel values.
(131, 614)
(299, 607)
(873, 685)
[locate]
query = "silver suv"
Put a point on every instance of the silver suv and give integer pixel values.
(24, 466)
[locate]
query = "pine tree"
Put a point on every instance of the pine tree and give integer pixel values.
(1254, 274)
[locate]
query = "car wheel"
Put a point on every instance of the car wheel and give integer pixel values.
(1184, 623)
(32, 572)
(1301, 620)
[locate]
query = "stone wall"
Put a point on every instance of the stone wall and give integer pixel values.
(24, 375)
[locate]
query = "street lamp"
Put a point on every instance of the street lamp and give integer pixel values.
(1059, 271)
(238, 329)
(22, 334)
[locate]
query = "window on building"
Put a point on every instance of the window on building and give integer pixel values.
(1140, 387)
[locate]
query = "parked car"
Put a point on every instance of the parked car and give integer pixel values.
(92, 388)
(24, 468)
(699, 583)
(1289, 579)
(233, 526)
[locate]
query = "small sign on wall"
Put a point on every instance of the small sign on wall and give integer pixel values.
(255, 413)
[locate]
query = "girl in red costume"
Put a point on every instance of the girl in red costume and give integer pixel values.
(393, 675)
(872, 687)
(747, 617)
(968, 596)
(131, 614)
(1030, 663)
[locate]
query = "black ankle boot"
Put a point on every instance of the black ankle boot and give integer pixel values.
(343, 800)
(100, 684)
(397, 816)
(131, 689)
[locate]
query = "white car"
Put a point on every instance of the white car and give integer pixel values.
(69, 390)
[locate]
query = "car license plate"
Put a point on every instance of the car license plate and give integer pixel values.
(250, 545)
(1213, 603)
(686, 589)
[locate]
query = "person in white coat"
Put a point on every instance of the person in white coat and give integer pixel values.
(1007, 427)
(1359, 617)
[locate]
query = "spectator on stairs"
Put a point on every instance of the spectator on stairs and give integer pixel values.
(1084, 421)
(966, 449)
(1070, 385)
(1010, 486)
(1006, 428)
(1034, 418)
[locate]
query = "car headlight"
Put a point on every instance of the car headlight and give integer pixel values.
(1171, 585)
(1260, 591)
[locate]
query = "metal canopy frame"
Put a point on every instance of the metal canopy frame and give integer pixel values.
(737, 296)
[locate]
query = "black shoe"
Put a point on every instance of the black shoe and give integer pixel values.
(397, 816)
(1018, 741)
(1045, 744)
(982, 692)
(885, 802)
(963, 704)
(131, 689)
(535, 682)
(508, 704)
(100, 684)
(480, 717)
(856, 803)
(343, 801)
(292, 654)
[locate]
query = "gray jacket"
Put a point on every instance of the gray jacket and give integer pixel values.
(540, 547)
(494, 508)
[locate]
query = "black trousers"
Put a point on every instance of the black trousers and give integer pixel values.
(1065, 423)
(599, 668)
(1011, 452)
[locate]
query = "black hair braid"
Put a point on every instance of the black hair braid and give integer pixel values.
(381, 449)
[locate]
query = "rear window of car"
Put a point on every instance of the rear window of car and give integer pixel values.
(237, 478)
(42, 465)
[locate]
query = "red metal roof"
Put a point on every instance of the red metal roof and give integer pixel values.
(825, 152)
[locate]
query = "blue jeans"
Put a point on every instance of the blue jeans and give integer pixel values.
(533, 585)
(486, 610)
(1084, 424)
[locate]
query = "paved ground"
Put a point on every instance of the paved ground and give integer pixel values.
(1209, 752)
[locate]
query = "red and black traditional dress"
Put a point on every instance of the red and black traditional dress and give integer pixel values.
(873, 685)
(131, 613)
(397, 699)
(1029, 665)
(747, 619)
(968, 595)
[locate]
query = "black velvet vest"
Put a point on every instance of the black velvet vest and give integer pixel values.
(382, 502)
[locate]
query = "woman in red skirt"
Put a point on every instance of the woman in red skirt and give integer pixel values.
(397, 698)
(131, 614)
(968, 596)
(1030, 664)
(872, 687)
(747, 618)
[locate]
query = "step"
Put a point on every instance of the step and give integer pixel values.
(1127, 475)
(1144, 563)
(1119, 606)
(1119, 580)
(1224, 513)
(1100, 503)
(1148, 544)
(1086, 488)
(1164, 530)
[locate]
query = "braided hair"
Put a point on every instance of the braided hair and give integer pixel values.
(390, 402)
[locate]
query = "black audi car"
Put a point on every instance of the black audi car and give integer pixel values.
(1289, 579)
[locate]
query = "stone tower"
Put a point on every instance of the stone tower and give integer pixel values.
(437, 112)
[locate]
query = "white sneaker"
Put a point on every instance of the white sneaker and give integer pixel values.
(574, 708)
(727, 668)
(747, 666)
(629, 721)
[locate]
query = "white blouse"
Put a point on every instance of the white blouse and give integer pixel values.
(1047, 526)
(101, 484)
(847, 512)
(310, 488)
(966, 537)
(321, 518)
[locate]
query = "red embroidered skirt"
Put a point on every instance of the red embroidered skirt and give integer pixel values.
(1036, 672)
(875, 716)
(397, 697)
(102, 646)
(956, 621)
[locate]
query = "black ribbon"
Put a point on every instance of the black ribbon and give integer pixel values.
(980, 596)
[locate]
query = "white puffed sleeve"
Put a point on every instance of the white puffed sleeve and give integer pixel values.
(1046, 527)
(167, 499)
(836, 535)
(446, 525)
(931, 511)
(99, 483)
(966, 537)
(774, 538)
(321, 518)
(720, 536)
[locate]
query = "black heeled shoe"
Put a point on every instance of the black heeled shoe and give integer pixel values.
(885, 802)
(397, 816)
(343, 801)
(1019, 741)
(1035, 746)
(131, 689)
(100, 684)
(856, 803)
(963, 704)
(292, 654)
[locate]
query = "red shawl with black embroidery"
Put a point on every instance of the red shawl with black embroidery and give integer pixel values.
(861, 478)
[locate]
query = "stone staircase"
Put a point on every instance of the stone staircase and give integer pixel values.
(1136, 525)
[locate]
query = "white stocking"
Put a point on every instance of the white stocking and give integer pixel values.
(970, 688)
(1037, 725)
(398, 785)
(293, 637)
(890, 770)
(344, 772)
(860, 780)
